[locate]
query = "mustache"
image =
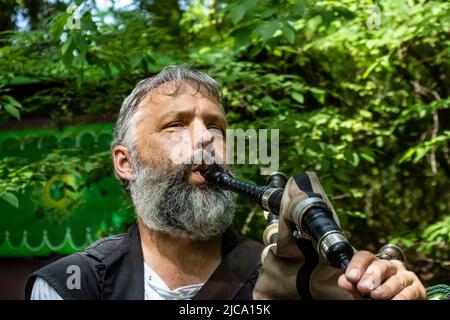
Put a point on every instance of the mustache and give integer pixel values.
(167, 170)
(192, 164)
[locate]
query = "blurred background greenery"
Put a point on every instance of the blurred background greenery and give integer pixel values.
(358, 89)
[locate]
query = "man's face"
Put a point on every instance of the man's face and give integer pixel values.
(169, 193)
(183, 129)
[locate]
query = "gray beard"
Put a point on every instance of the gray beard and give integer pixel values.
(166, 202)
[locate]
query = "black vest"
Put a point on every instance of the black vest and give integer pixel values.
(113, 268)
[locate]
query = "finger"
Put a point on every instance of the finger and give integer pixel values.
(412, 292)
(393, 286)
(348, 286)
(358, 265)
(345, 284)
(376, 273)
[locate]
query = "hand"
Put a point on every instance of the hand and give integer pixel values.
(366, 275)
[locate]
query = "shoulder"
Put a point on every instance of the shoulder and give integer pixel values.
(103, 247)
(69, 276)
(76, 276)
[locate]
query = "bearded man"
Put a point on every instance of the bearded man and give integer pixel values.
(181, 246)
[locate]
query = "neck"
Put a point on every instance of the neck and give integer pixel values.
(179, 260)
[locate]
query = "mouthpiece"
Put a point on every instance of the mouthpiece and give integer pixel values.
(267, 197)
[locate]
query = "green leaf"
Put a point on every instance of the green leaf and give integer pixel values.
(57, 27)
(80, 43)
(67, 59)
(298, 97)
(136, 60)
(288, 33)
(256, 50)
(87, 23)
(315, 22)
(299, 7)
(365, 114)
(355, 159)
(351, 157)
(79, 78)
(249, 5)
(341, 175)
(269, 12)
(237, 13)
(342, 188)
(420, 153)
(266, 30)
(368, 157)
(67, 51)
(357, 214)
(241, 38)
(12, 111)
(13, 101)
(10, 198)
(319, 94)
(67, 45)
(407, 155)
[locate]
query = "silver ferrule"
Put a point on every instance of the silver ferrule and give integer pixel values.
(329, 239)
(266, 197)
(303, 206)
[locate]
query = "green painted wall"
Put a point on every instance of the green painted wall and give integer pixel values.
(50, 217)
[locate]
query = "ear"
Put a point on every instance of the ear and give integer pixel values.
(122, 163)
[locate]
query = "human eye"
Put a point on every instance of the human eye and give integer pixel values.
(174, 125)
(216, 130)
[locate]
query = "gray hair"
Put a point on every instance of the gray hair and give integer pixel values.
(166, 202)
(125, 129)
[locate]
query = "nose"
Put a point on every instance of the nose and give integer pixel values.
(202, 138)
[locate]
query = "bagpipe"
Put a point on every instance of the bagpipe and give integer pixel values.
(306, 251)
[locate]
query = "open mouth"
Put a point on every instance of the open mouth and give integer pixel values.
(195, 177)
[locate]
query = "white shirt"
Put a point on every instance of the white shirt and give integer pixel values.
(154, 289)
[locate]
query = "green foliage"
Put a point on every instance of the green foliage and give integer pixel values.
(436, 239)
(365, 107)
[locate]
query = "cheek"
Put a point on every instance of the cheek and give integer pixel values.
(220, 149)
(177, 146)
(143, 150)
(152, 151)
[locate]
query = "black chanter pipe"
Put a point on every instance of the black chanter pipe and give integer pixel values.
(267, 197)
(314, 218)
